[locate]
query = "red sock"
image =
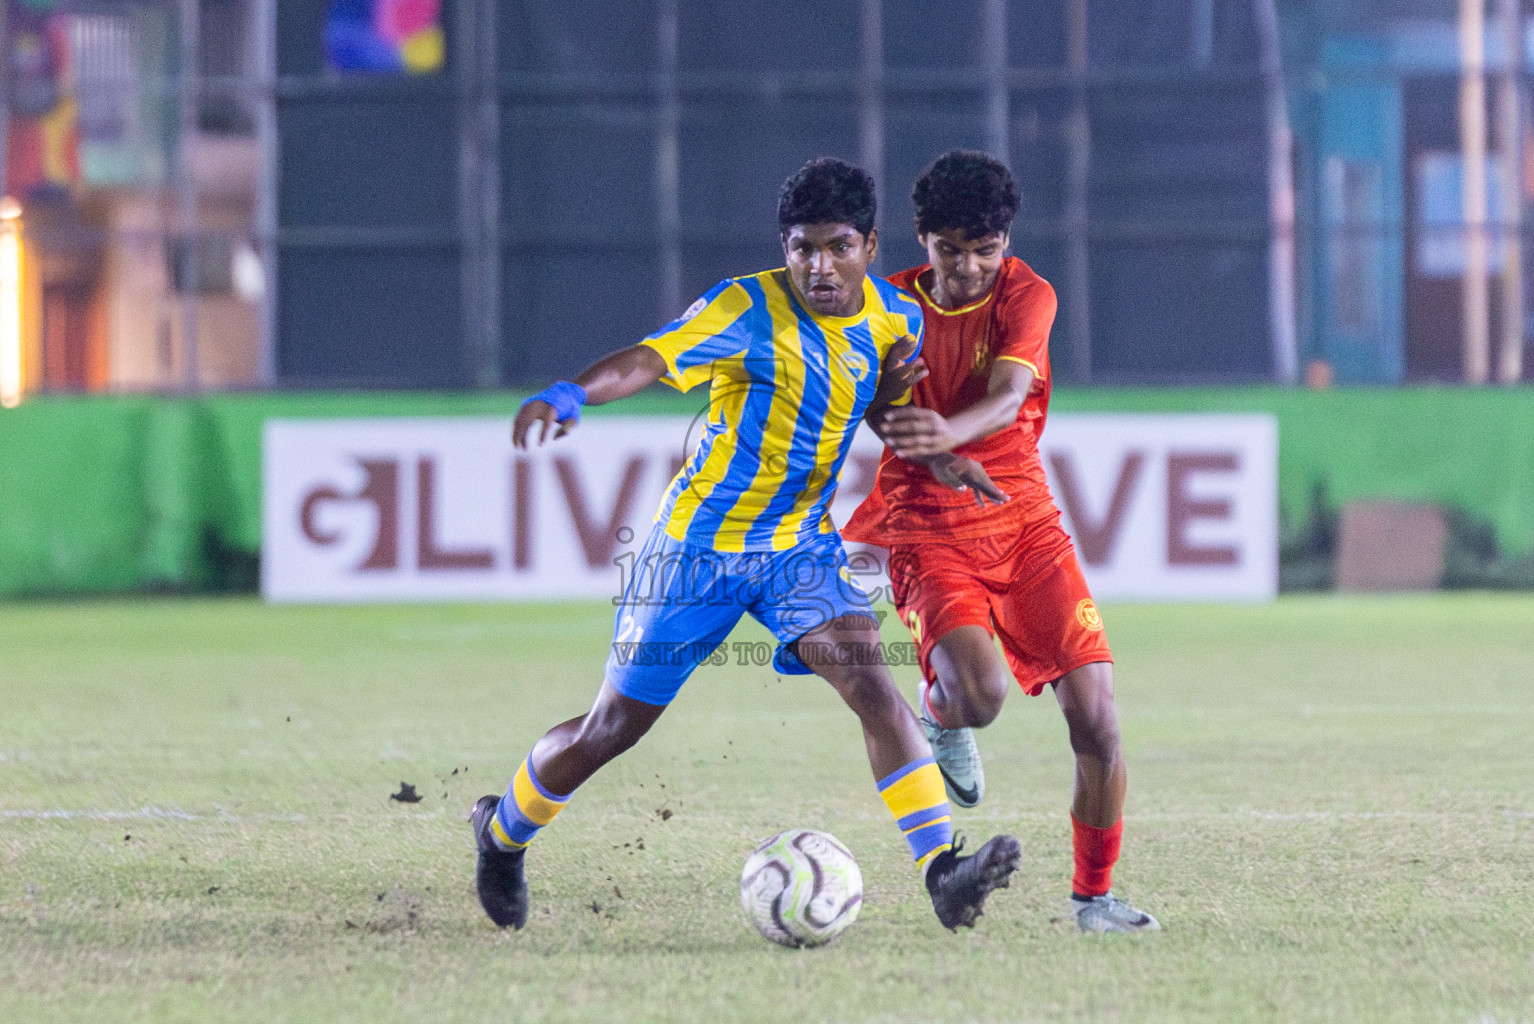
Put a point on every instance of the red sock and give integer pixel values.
(1096, 850)
(926, 702)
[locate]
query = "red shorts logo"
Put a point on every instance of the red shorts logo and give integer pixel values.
(1088, 616)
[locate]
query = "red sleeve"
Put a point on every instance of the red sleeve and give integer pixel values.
(1025, 313)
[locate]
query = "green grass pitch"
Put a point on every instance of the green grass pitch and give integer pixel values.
(1331, 809)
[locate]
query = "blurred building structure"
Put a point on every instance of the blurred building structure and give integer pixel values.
(484, 193)
(138, 187)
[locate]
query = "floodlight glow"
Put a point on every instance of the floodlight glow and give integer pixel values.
(10, 304)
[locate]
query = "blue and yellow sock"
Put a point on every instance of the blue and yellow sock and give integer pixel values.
(525, 808)
(915, 796)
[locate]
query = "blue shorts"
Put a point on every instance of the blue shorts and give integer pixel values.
(680, 602)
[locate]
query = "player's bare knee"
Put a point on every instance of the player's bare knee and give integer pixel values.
(978, 695)
(1094, 730)
(868, 693)
(1086, 699)
(977, 707)
(1097, 739)
(867, 690)
(985, 710)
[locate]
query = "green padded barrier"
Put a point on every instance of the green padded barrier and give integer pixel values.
(102, 494)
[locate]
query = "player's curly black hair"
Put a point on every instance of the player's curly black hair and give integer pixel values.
(968, 190)
(828, 191)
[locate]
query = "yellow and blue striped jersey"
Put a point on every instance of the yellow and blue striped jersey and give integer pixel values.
(788, 388)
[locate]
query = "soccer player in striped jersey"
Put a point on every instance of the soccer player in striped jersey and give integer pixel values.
(793, 357)
(969, 570)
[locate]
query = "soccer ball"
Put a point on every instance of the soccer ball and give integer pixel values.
(801, 888)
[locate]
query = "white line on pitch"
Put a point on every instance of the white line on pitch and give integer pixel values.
(998, 818)
(142, 814)
(175, 814)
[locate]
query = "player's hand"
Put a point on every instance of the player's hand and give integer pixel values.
(898, 376)
(967, 475)
(913, 432)
(537, 412)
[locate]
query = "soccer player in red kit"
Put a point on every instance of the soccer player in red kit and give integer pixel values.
(976, 546)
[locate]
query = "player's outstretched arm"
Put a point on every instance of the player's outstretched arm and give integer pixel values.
(899, 374)
(616, 375)
(915, 433)
(965, 475)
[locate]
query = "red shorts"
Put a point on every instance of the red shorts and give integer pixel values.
(1025, 588)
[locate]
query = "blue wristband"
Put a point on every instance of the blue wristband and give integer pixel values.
(566, 398)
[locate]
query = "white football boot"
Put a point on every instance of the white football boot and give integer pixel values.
(1108, 913)
(957, 757)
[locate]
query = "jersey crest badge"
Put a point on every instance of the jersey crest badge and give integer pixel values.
(856, 365)
(982, 355)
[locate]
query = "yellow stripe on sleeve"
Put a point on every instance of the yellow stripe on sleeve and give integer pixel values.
(1015, 359)
(696, 332)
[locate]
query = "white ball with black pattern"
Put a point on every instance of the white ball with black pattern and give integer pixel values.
(801, 888)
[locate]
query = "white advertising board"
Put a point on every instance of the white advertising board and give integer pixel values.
(1161, 507)
(1169, 507)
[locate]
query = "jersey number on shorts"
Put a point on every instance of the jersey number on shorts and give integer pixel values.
(629, 631)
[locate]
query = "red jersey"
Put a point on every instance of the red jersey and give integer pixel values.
(1012, 322)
